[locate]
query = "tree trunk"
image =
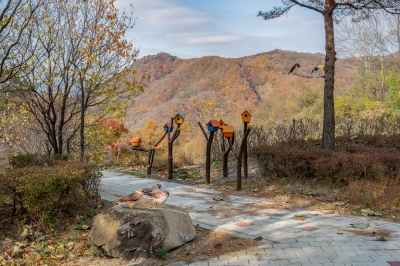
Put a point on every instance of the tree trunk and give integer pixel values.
(82, 128)
(328, 133)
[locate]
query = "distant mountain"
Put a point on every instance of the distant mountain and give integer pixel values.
(213, 87)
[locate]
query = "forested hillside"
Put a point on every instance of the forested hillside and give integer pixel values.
(212, 87)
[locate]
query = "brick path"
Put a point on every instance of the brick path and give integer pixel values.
(319, 239)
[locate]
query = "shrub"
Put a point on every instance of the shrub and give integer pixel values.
(369, 158)
(23, 160)
(45, 194)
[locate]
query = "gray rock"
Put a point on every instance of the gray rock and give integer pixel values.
(121, 232)
(27, 232)
(17, 252)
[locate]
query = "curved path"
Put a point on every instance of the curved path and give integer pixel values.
(315, 239)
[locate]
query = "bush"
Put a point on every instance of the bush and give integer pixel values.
(23, 160)
(369, 158)
(46, 194)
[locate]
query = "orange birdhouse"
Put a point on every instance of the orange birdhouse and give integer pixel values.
(136, 141)
(227, 131)
(246, 117)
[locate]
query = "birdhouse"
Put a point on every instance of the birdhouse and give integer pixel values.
(227, 131)
(136, 141)
(213, 126)
(179, 118)
(246, 117)
(168, 127)
(222, 123)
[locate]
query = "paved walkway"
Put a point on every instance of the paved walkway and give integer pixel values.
(319, 239)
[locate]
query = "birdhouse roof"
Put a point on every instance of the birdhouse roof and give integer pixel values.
(227, 129)
(246, 112)
(136, 139)
(214, 123)
(168, 124)
(181, 115)
(222, 122)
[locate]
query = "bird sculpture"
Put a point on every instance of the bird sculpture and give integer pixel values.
(132, 199)
(159, 197)
(294, 69)
(315, 72)
(154, 188)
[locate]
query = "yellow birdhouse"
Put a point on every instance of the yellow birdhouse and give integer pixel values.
(222, 123)
(179, 118)
(227, 131)
(246, 117)
(136, 141)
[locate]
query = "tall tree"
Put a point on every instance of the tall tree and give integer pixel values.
(333, 11)
(106, 59)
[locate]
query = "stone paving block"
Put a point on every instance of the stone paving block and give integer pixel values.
(339, 243)
(370, 253)
(199, 263)
(300, 244)
(247, 257)
(312, 250)
(286, 245)
(319, 260)
(228, 257)
(318, 244)
(305, 239)
(361, 258)
(218, 263)
(341, 259)
(293, 250)
(352, 248)
(179, 263)
(279, 262)
(357, 264)
(333, 248)
(239, 262)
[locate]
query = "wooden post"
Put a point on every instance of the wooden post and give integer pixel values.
(208, 158)
(239, 156)
(170, 163)
(245, 171)
(170, 144)
(225, 154)
(208, 152)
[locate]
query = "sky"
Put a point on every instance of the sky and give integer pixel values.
(225, 28)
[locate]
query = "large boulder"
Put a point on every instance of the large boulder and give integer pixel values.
(121, 232)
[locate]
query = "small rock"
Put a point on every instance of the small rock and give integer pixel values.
(85, 227)
(27, 231)
(217, 198)
(360, 226)
(258, 238)
(17, 252)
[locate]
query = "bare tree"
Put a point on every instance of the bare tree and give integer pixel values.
(333, 11)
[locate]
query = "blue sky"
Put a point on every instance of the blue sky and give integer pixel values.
(226, 28)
